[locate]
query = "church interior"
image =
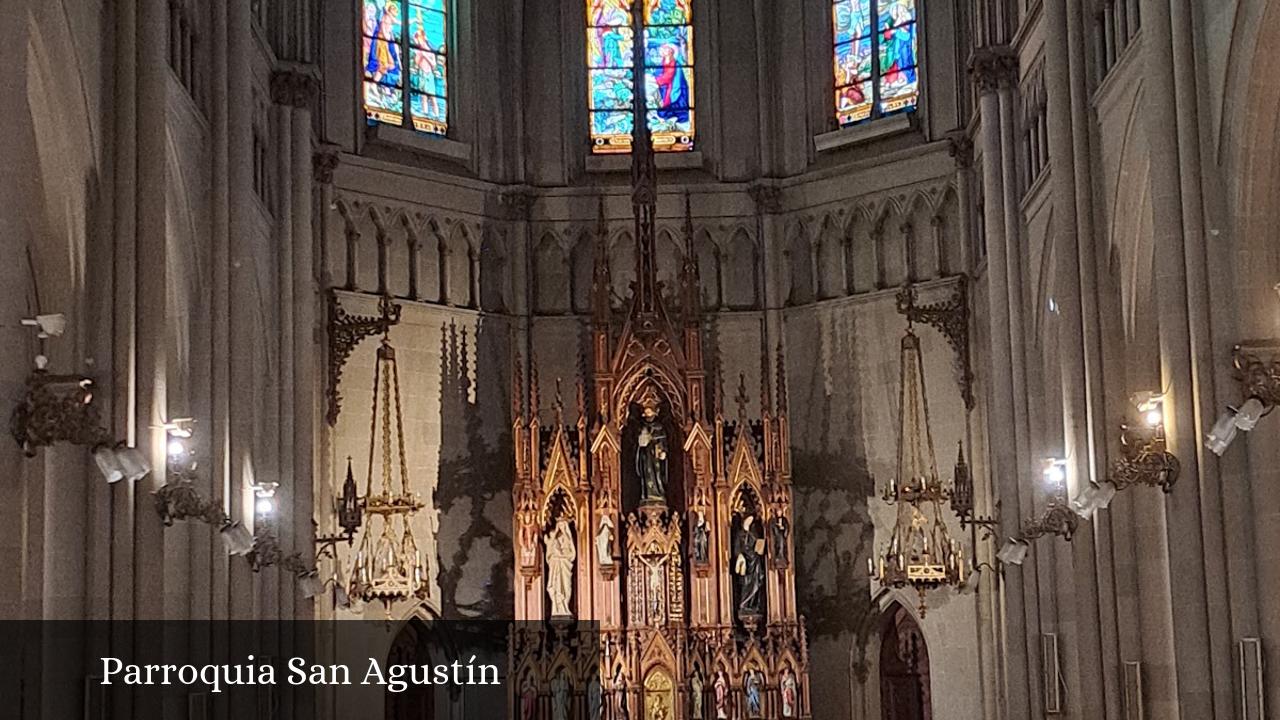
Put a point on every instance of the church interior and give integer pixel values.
(872, 360)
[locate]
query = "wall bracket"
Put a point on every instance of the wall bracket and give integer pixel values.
(346, 331)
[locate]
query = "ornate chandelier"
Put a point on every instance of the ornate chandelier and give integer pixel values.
(920, 552)
(388, 565)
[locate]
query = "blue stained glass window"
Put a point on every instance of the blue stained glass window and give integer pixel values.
(875, 58)
(668, 74)
(412, 33)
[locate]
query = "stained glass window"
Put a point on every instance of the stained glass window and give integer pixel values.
(875, 58)
(668, 74)
(415, 32)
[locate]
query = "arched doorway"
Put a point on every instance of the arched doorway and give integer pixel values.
(904, 667)
(411, 647)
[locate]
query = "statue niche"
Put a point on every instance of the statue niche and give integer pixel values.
(748, 557)
(652, 459)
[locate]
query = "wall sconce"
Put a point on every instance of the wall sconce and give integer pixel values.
(57, 408)
(1014, 551)
(1257, 368)
(1145, 458)
(47, 326)
(1057, 519)
(1054, 471)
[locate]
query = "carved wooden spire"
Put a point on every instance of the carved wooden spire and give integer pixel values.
(689, 278)
(780, 366)
(517, 388)
(644, 178)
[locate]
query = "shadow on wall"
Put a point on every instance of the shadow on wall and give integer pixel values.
(473, 492)
(834, 531)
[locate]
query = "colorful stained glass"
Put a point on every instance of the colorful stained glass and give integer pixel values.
(382, 61)
(668, 68)
(601, 13)
(668, 44)
(611, 89)
(390, 27)
(851, 19)
(876, 72)
(427, 29)
(853, 62)
(668, 12)
(382, 19)
(384, 104)
(895, 12)
(609, 47)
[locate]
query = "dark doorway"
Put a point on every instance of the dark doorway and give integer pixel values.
(411, 647)
(904, 668)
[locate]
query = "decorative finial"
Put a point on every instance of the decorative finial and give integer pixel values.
(742, 397)
(780, 366)
(517, 387)
(559, 405)
(534, 391)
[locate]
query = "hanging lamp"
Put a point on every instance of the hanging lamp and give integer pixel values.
(388, 565)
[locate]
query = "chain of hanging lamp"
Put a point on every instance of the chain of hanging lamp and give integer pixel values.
(920, 553)
(390, 568)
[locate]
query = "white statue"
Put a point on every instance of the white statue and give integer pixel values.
(789, 694)
(560, 693)
(604, 541)
(695, 695)
(655, 592)
(560, 557)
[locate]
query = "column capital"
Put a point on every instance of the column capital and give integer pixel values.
(294, 87)
(992, 67)
(324, 162)
(768, 198)
(960, 147)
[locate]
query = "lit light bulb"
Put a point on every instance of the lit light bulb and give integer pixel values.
(1055, 471)
(1154, 418)
(264, 506)
(176, 448)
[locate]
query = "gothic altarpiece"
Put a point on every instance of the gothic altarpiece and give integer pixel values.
(656, 519)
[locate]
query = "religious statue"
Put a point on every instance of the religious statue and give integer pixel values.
(789, 693)
(722, 696)
(560, 696)
(751, 687)
(620, 709)
(655, 592)
(749, 566)
(779, 528)
(701, 539)
(594, 701)
(695, 695)
(560, 557)
(528, 699)
(651, 457)
(604, 541)
(528, 544)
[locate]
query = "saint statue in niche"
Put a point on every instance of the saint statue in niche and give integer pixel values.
(655, 592)
(722, 696)
(604, 541)
(751, 687)
(528, 699)
(594, 701)
(779, 529)
(620, 709)
(695, 695)
(701, 539)
(560, 694)
(789, 693)
(749, 567)
(560, 557)
(651, 457)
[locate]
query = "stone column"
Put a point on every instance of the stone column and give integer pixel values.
(1021, 687)
(1182, 676)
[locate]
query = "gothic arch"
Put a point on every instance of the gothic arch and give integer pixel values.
(832, 281)
(708, 255)
(740, 274)
(551, 276)
(799, 261)
(903, 667)
(457, 255)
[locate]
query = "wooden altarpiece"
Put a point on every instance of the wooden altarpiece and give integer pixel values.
(661, 576)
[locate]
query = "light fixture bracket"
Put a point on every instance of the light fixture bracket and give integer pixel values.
(951, 318)
(1257, 368)
(346, 331)
(57, 408)
(1145, 460)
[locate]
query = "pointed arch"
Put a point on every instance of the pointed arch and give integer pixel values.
(741, 272)
(551, 276)
(832, 280)
(904, 667)
(799, 260)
